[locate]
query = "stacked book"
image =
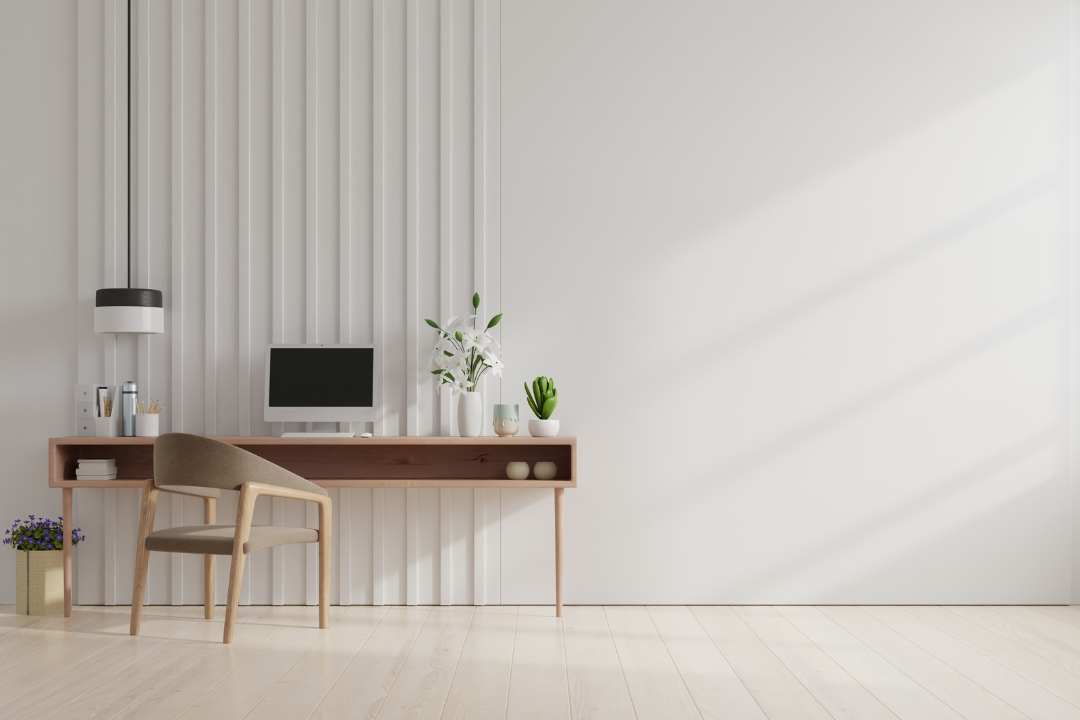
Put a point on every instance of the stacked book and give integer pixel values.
(96, 470)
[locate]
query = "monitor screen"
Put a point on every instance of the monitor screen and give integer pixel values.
(321, 377)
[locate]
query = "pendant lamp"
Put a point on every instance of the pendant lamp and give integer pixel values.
(129, 310)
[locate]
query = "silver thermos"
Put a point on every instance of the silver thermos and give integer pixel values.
(129, 400)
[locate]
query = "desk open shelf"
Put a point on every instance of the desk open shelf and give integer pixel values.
(345, 462)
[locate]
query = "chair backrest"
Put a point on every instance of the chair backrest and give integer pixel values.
(193, 460)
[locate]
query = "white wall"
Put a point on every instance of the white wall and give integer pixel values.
(37, 255)
(800, 272)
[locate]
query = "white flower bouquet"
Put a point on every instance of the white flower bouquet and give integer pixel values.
(463, 352)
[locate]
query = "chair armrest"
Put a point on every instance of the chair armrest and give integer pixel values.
(255, 489)
(191, 490)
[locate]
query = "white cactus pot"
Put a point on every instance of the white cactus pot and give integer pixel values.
(543, 428)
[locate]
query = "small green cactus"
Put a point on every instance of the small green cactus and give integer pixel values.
(546, 397)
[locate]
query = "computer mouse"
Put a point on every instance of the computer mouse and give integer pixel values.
(365, 435)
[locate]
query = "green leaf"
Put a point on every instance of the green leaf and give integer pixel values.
(451, 375)
(528, 396)
(493, 321)
(458, 336)
(549, 407)
(436, 372)
(538, 394)
(432, 323)
(475, 300)
(448, 353)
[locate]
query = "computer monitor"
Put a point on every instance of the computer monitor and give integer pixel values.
(320, 383)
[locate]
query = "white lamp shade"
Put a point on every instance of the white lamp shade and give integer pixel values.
(128, 319)
(129, 310)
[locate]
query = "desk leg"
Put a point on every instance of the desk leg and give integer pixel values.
(558, 550)
(67, 551)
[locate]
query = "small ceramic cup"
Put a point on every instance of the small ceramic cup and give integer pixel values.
(104, 427)
(517, 470)
(544, 471)
(146, 425)
(506, 420)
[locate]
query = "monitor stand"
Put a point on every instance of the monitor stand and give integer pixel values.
(323, 429)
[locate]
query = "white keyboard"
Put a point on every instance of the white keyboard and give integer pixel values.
(316, 435)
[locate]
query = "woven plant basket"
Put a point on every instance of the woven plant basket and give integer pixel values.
(39, 582)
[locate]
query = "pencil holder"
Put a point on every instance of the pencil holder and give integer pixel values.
(146, 425)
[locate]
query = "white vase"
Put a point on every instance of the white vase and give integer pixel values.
(470, 414)
(543, 428)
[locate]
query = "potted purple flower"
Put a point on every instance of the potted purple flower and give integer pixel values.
(39, 567)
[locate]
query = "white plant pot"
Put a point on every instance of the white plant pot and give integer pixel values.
(470, 414)
(543, 428)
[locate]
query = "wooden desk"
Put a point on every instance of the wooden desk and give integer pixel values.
(388, 462)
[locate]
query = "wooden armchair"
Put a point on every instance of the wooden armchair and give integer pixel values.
(198, 466)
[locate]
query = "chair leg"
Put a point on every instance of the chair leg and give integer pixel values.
(324, 565)
(209, 517)
(236, 578)
(142, 555)
(209, 569)
(244, 508)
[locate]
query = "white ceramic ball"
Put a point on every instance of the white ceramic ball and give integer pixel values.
(544, 470)
(517, 470)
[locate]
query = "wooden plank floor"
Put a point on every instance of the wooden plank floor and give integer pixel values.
(755, 662)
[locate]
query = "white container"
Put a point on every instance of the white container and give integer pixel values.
(146, 425)
(544, 471)
(470, 417)
(543, 428)
(517, 470)
(104, 427)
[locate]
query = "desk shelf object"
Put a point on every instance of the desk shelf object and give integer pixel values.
(386, 462)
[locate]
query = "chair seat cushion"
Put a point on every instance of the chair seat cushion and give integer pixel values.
(218, 539)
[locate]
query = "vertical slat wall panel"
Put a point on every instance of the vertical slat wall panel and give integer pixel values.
(244, 265)
(412, 207)
(479, 225)
(176, 301)
(210, 276)
(378, 274)
(412, 222)
(116, 222)
(90, 237)
(311, 239)
(244, 254)
(343, 504)
(142, 277)
(277, 554)
(363, 136)
(446, 184)
(492, 259)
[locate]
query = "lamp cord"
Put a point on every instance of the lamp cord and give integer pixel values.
(129, 144)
